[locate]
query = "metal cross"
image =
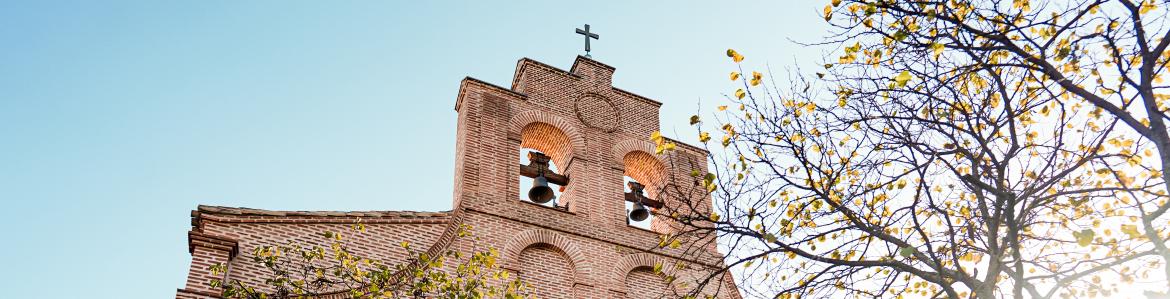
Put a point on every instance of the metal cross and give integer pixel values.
(587, 35)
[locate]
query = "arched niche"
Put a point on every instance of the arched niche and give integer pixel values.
(547, 270)
(638, 270)
(510, 255)
(643, 283)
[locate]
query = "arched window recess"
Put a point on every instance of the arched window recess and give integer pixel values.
(542, 175)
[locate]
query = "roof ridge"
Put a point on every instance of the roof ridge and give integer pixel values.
(261, 212)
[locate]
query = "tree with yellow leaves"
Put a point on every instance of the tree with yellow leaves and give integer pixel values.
(1107, 56)
(951, 149)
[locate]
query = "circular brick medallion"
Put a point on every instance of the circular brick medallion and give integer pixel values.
(595, 111)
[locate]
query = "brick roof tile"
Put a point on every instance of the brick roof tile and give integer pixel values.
(372, 214)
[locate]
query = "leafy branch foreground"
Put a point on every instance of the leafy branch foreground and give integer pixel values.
(310, 271)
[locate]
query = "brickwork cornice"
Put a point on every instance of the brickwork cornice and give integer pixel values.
(582, 59)
(638, 97)
(189, 293)
(524, 63)
(586, 60)
(470, 81)
(246, 215)
(196, 238)
(688, 146)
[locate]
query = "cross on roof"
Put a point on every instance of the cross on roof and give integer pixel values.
(587, 35)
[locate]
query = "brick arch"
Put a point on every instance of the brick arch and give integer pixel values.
(631, 262)
(523, 119)
(624, 147)
(646, 169)
(550, 140)
(634, 156)
(511, 253)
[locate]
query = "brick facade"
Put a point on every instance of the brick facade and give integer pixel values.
(594, 133)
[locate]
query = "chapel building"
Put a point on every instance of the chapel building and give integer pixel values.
(569, 128)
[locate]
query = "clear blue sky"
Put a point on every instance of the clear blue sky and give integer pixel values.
(117, 118)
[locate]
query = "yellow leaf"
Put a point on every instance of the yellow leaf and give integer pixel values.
(1131, 231)
(1023, 5)
(756, 78)
(903, 78)
(1084, 237)
(734, 76)
(704, 136)
(828, 12)
(721, 108)
(836, 3)
(734, 55)
(937, 48)
(739, 93)
(1147, 6)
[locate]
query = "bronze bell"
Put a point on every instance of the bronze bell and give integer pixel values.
(639, 212)
(540, 192)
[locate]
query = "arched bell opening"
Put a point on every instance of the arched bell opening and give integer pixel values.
(638, 214)
(643, 180)
(539, 189)
(545, 155)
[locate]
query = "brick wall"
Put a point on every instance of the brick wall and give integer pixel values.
(595, 133)
(250, 228)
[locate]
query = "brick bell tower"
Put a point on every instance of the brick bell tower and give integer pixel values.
(597, 136)
(587, 138)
